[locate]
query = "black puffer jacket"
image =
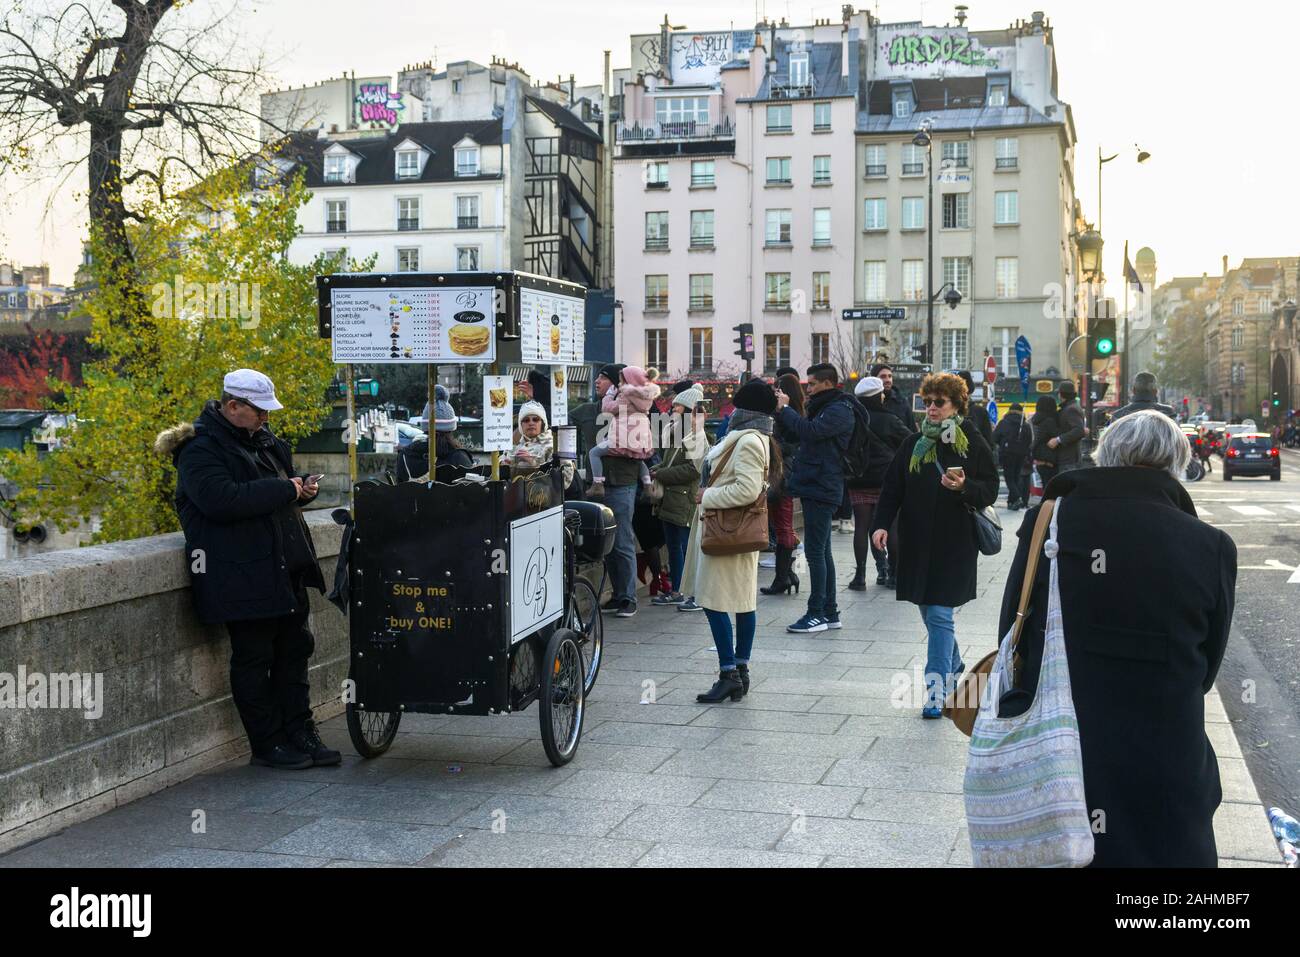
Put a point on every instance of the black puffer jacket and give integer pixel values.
(901, 407)
(244, 532)
(887, 434)
(1046, 426)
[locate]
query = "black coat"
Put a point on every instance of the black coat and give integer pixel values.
(1070, 451)
(1144, 642)
(818, 471)
(901, 407)
(1139, 405)
(1013, 436)
(979, 414)
(228, 502)
(936, 532)
(1045, 427)
(887, 434)
(788, 441)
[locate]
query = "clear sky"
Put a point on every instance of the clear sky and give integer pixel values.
(1210, 90)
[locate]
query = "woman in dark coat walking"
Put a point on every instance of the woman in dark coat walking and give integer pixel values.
(1146, 602)
(887, 434)
(935, 475)
(1046, 427)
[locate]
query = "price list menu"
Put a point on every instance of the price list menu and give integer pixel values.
(413, 325)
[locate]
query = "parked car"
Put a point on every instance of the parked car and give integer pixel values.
(1252, 453)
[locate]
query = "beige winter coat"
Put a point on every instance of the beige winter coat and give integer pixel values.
(728, 582)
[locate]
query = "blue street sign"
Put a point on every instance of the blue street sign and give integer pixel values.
(1023, 356)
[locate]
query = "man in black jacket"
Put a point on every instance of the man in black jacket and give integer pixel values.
(251, 560)
(1069, 444)
(895, 402)
(1145, 396)
(1013, 438)
(976, 410)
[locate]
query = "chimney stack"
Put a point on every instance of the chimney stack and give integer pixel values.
(1225, 266)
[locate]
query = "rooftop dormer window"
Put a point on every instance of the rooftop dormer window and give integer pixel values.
(903, 105)
(798, 71)
(336, 169)
(999, 91)
(408, 164)
(467, 161)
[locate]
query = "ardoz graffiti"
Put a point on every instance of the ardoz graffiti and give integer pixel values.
(923, 49)
(377, 104)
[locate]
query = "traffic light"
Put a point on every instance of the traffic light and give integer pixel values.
(1101, 339)
(1277, 401)
(745, 340)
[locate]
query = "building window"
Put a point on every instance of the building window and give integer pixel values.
(455, 86)
(1238, 336)
(902, 102)
(1007, 152)
(408, 164)
(957, 153)
(914, 212)
(336, 169)
(821, 347)
(701, 172)
(956, 270)
(682, 109)
(953, 349)
(778, 170)
(776, 352)
(702, 291)
(914, 280)
(656, 293)
(656, 230)
(336, 215)
(408, 260)
(998, 93)
(656, 175)
(821, 169)
(656, 348)
(701, 228)
(821, 117)
(913, 160)
(337, 258)
(778, 227)
(467, 258)
(1263, 305)
(1006, 283)
(877, 164)
(822, 226)
(467, 161)
(467, 212)
(1006, 208)
(956, 210)
(874, 214)
(821, 283)
(1238, 307)
(797, 70)
(1003, 349)
(408, 213)
(702, 350)
(778, 290)
(779, 117)
(873, 281)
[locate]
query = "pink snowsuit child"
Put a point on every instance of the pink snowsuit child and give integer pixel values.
(629, 436)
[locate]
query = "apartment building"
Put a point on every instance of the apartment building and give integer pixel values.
(1238, 333)
(26, 293)
(734, 188)
(1000, 164)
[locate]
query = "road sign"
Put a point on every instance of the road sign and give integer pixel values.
(880, 313)
(990, 370)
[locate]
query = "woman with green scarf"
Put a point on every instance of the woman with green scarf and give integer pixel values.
(937, 477)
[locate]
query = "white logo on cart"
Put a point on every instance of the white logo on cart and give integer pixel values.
(536, 571)
(535, 581)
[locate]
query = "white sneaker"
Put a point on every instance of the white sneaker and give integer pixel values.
(767, 561)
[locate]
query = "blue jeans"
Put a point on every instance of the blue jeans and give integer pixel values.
(943, 657)
(622, 560)
(817, 550)
(720, 625)
(676, 538)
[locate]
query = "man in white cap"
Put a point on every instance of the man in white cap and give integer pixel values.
(251, 560)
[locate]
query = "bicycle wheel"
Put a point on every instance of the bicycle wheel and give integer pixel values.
(563, 703)
(584, 618)
(372, 732)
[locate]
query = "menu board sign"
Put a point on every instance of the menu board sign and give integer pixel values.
(415, 324)
(551, 327)
(498, 413)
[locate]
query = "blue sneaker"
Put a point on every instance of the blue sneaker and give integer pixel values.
(807, 625)
(931, 713)
(690, 604)
(832, 620)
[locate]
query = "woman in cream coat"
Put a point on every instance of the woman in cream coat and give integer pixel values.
(736, 473)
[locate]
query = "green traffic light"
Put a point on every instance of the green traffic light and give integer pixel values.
(1105, 346)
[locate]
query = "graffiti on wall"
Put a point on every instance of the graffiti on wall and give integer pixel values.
(376, 104)
(938, 52)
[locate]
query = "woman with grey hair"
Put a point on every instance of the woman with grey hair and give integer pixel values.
(1147, 594)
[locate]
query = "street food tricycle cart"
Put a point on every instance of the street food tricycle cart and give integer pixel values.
(463, 597)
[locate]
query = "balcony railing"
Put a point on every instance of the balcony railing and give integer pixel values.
(701, 302)
(877, 169)
(656, 242)
(792, 91)
(702, 241)
(657, 184)
(407, 223)
(681, 130)
(703, 180)
(1007, 162)
(913, 169)
(467, 222)
(656, 303)
(336, 226)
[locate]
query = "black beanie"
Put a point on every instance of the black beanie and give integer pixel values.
(755, 396)
(612, 371)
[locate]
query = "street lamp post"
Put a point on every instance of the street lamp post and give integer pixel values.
(1090, 246)
(1142, 157)
(922, 138)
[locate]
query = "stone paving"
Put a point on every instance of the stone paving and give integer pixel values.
(814, 768)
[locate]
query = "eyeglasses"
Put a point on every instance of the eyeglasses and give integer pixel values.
(529, 419)
(250, 405)
(937, 403)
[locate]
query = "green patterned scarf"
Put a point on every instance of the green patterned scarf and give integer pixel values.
(949, 430)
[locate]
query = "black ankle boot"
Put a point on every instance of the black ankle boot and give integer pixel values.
(785, 578)
(727, 686)
(743, 671)
(859, 582)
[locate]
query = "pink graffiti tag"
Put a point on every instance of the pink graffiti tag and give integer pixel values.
(378, 104)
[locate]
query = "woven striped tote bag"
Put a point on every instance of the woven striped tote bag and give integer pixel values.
(1025, 804)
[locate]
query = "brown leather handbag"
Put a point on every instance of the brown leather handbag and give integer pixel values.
(736, 530)
(963, 705)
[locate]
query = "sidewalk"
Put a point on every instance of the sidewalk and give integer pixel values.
(814, 768)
